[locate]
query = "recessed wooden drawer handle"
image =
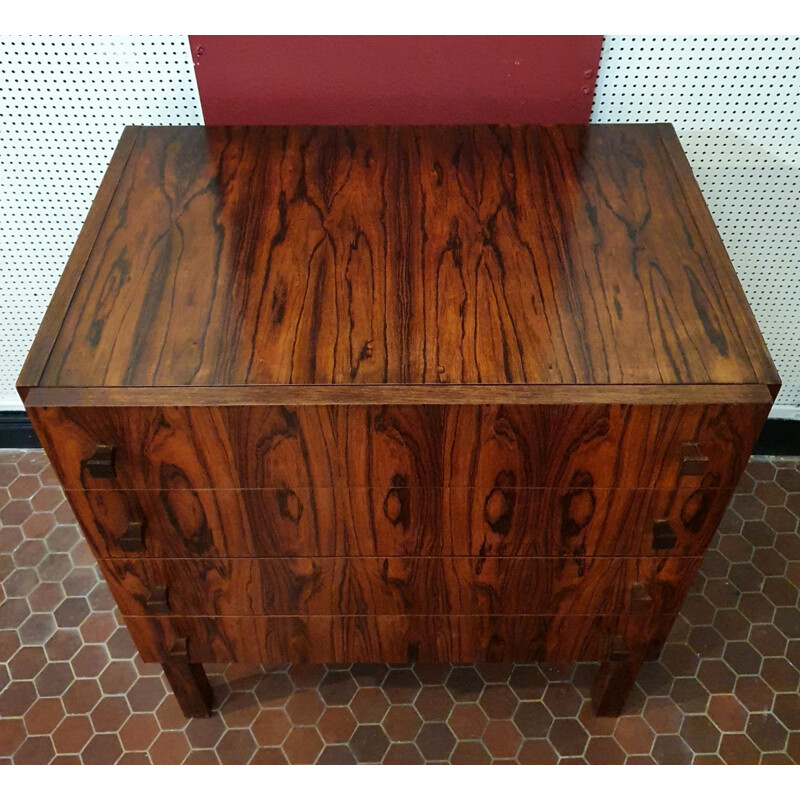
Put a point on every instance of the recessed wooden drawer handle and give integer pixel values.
(132, 541)
(693, 462)
(101, 464)
(157, 601)
(640, 598)
(618, 649)
(664, 536)
(180, 648)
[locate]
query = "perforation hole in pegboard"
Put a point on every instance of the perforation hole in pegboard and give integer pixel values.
(735, 104)
(64, 101)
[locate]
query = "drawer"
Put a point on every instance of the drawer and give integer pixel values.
(392, 639)
(381, 586)
(581, 521)
(398, 521)
(316, 447)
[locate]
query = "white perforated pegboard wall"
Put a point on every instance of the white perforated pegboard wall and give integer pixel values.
(735, 104)
(63, 103)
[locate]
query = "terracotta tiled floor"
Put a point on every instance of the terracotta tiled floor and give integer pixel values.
(73, 690)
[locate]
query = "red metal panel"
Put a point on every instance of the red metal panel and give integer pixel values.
(250, 80)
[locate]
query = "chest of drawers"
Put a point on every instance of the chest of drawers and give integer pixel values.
(396, 394)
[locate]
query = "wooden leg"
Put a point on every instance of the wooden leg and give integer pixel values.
(653, 651)
(615, 680)
(191, 687)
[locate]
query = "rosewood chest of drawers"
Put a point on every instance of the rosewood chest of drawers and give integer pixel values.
(395, 394)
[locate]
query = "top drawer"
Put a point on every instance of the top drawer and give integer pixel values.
(196, 447)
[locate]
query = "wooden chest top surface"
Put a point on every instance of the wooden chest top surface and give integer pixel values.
(382, 257)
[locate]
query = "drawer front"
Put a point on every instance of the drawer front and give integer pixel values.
(580, 521)
(411, 446)
(398, 639)
(398, 521)
(391, 586)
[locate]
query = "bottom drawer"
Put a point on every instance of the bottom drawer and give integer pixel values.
(387, 586)
(393, 639)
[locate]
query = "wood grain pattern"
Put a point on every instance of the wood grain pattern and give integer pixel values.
(395, 639)
(396, 521)
(427, 255)
(397, 586)
(431, 446)
(715, 250)
(54, 316)
(396, 394)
